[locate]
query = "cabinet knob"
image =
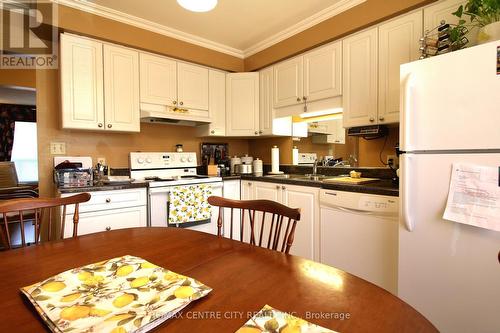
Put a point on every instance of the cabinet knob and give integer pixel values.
(249, 184)
(298, 99)
(108, 200)
(381, 118)
(372, 119)
(304, 98)
(212, 131)
(109, 125)
(99, 125)
(181, 103)
(277, 187)
(260, 132)
(108, 228)
(283, 187)
(256, 132)
(174, 102)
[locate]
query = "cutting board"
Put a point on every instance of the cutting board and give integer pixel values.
(349, 180)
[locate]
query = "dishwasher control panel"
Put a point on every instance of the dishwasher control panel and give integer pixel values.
(359, 201)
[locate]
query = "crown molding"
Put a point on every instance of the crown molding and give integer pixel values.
(325, 14)
(138, 22)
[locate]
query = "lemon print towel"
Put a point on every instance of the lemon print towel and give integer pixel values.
(189, 203)
(124, 294)
(272, 320)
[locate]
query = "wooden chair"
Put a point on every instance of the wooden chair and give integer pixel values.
(39, 206)
(276, 223)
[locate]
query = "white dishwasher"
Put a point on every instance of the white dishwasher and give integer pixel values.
(359, 234)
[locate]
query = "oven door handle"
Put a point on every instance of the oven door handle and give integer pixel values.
(155, 190)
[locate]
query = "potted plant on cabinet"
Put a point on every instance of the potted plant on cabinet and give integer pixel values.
(484, 14)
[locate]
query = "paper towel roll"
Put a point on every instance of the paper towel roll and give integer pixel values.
(275, 159)
(295, 155)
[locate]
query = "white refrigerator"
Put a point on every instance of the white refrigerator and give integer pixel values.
(450, 112)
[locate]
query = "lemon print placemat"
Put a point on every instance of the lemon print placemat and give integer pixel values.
(269, 319)
(124, 294)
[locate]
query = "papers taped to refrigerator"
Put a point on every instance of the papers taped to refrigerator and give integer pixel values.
(474, 196)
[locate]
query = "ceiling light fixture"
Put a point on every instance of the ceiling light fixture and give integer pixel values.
(198, 6)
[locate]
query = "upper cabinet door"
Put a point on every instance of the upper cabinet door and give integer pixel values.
(217, 102)
(323, 72)
(288, 81)
(192, 86)
(266, 101)
(398, 44)
(81, 83)
(242, 104)
(158, 80)
(360, 78)
(121, 89)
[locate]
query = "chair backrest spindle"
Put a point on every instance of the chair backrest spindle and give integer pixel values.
(36, 207)
(276, 239)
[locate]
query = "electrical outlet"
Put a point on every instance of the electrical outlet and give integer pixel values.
(58, 148)
(101, 160)
(393, 161)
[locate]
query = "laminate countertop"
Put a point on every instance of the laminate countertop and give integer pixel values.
(380, 187)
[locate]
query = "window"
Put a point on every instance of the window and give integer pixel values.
(24, 151)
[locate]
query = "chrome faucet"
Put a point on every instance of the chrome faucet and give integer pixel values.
(315, 167)
(341, 163)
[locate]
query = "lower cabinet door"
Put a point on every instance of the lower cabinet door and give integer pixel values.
(232, 190)
(106, 220)
(306, 238)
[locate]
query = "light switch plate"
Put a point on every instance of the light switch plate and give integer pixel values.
(58, 148)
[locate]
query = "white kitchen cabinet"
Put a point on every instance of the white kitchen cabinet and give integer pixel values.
(158, 79)
(109, 210)
(288, 82)
(312, 76)
(306, 198)
(306, 240)
(232, 190)
(216, 105)
(269, 124)
(398, 44)
(360, 78)
(323, 72)
(121, 89)
(82, 90)
(242, 104)
(192, 86)
(335, 133)
(99, 85)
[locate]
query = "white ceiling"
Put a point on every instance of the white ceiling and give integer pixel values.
(238, 27)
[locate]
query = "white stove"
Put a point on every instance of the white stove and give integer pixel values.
(167, 169)
(166, 172)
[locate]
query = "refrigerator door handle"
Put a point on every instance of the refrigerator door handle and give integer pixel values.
(405, 101)
(405, 193)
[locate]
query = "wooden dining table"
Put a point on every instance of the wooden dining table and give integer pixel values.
(243, 277)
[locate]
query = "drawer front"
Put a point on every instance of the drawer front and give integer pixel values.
(103, 200)
(107, 220)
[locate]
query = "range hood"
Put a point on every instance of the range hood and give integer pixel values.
(167, 118)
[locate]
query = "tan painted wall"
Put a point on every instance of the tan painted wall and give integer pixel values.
(18, 77)
(356, 18)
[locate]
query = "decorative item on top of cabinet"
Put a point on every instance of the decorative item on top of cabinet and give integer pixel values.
(93, 97)
(216, 105)
(312, 76)
(242, 104)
